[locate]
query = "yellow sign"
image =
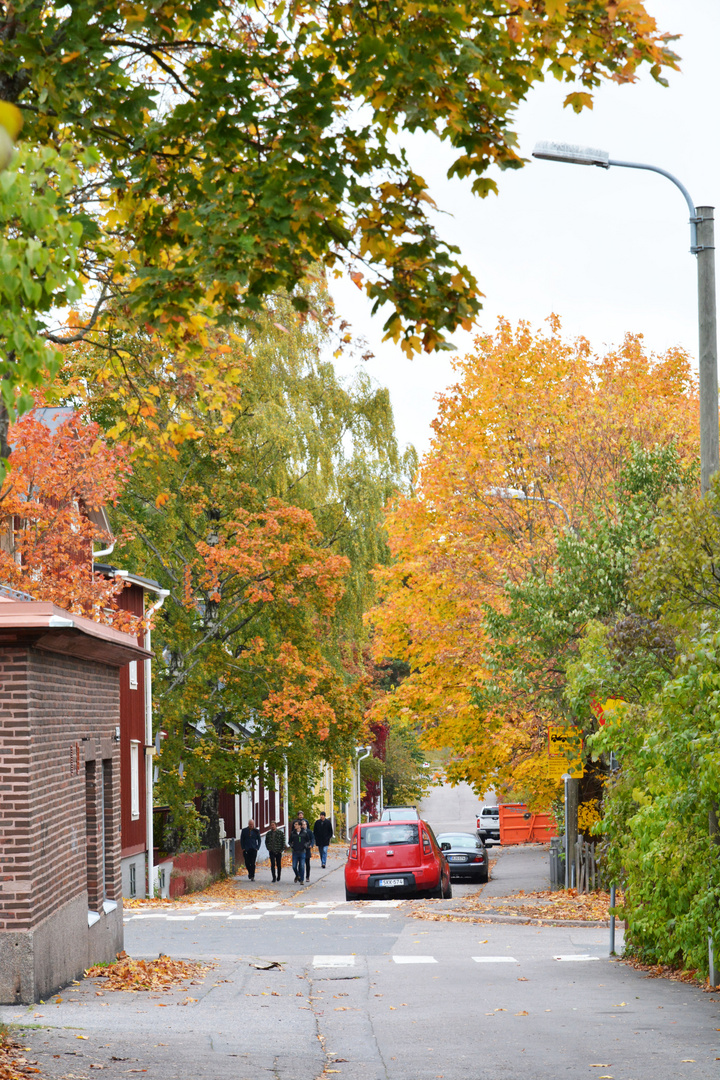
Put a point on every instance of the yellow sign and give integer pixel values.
(564, 753)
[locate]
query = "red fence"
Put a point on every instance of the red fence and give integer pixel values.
(518, 825)
(210, 860)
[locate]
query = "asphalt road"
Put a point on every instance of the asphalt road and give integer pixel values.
(368, 992)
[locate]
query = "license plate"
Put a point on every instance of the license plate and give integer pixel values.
(388, 882)
(457, 858)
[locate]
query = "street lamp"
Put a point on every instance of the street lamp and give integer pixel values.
(361, 757)
(702, 244)
(518, 493)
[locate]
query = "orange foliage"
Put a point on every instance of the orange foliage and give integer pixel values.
(544, 416)
(57, 477)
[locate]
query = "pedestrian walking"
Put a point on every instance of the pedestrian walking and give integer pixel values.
(304, 823)
(299, 839)
(275, 843)
(250, 844)
(323, 833)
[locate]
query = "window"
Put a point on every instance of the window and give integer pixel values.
(132, 674)
(389, 835)
(134, 780)
(133, 880)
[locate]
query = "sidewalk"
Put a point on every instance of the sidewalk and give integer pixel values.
(287, 888)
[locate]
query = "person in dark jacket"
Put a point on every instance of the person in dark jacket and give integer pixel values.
(250, 844)
(323, 833)
(275, 843)
(300, 841)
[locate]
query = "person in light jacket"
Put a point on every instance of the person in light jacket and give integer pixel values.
(275, 843)
(250, 844)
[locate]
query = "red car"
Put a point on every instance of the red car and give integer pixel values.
(396, 858)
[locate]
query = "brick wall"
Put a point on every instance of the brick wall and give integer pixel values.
(59, 785)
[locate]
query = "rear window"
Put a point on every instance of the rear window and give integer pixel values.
(491, 811)
(389, 835)
(459, 840)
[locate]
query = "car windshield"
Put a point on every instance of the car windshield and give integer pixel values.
(389, 835)
(459, 840)
(491, 812)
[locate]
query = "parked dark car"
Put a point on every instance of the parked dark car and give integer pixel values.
(466, 855)
(396, 858)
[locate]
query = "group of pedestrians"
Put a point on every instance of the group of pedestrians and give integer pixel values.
(302, 841)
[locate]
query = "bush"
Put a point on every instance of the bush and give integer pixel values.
(197, 880)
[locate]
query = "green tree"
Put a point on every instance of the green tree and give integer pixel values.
(239, 144)
(265, 530)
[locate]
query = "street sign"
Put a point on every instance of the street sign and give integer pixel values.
(564, 753)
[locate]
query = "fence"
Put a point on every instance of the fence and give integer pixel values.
(583, 868)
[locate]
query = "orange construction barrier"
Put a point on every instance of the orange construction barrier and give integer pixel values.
(518, 825)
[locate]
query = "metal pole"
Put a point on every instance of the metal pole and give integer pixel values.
(707, 323)
(572, 824)
(612, 921)
(566, 777)
(713, 975)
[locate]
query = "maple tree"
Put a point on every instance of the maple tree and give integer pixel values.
(184, 161)
(62, 470)
(536, 427)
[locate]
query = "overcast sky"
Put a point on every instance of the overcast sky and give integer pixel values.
(607, 250)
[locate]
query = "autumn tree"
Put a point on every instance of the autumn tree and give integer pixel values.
(63, 473)
(265, 530)
(475, 600)
(182, 162)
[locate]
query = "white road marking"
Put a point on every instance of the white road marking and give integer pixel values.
(495, 960)
(333, 961)
(265, 904)
(385, 903)
(181, 918)
(213, 914)
(256, 916)
(311, 915)
(414, 960)
(370, 915)
(576, 956)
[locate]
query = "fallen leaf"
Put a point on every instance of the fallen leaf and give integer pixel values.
(620, 1005)
(683, 1060)
(523, 1013)
(81, 1036)
(601, 1065)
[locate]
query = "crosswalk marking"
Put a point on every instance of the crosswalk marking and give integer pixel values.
(368, 914)
(333, 961)
(576, 956)
(495, 960)
(311, 915)
(182, 918)
(253, 915)
(414, 960)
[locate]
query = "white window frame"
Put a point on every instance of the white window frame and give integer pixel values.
(134, 779)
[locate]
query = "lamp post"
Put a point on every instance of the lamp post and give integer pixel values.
(361, 757)
(518, 493)
(702, 244)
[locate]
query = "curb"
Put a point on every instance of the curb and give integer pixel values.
(523, 920)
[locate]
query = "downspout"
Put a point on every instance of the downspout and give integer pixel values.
(149, 746)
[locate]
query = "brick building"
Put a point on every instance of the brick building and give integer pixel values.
(60, 878)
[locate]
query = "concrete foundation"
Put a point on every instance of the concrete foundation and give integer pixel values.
(35, 963)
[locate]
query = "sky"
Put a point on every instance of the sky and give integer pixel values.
(606, 250)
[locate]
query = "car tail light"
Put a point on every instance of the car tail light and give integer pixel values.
(426, 844)
(479, 858)
(354, 848)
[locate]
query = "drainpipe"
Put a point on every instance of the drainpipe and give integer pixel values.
(161, 593)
